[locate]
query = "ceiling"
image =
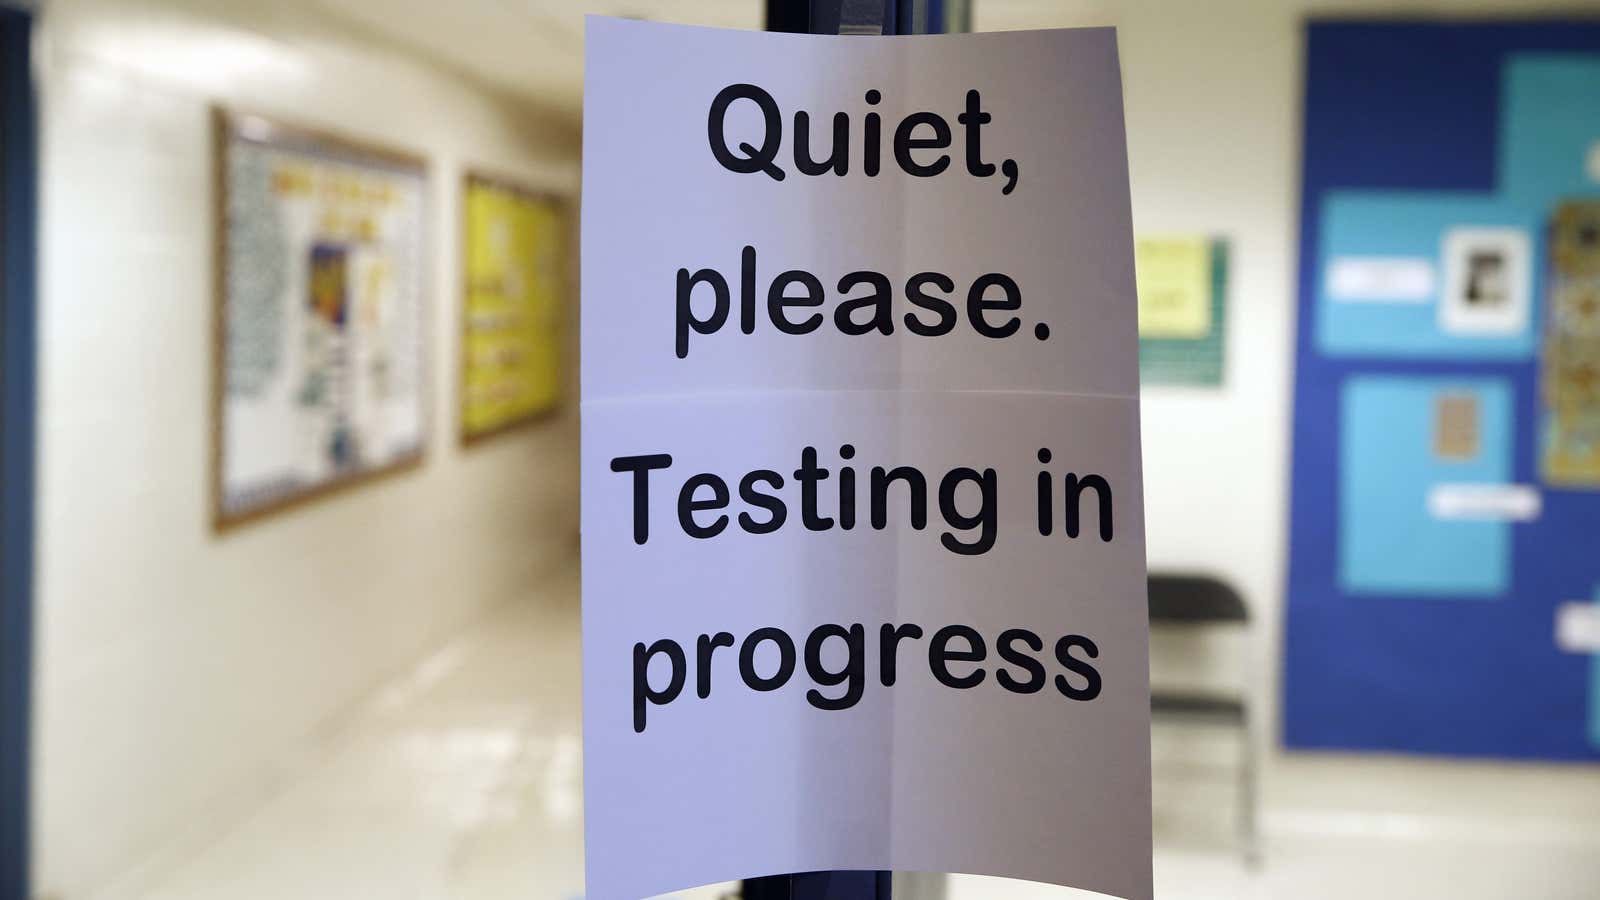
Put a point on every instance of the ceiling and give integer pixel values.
(531, 50)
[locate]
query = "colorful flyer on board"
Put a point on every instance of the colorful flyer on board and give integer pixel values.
(1572, 349)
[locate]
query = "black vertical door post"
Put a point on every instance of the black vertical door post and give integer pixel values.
(18, 189)
(862, 17)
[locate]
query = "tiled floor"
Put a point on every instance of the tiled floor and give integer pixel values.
(462, 780)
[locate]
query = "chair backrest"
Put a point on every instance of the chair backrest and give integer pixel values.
(1194, 599)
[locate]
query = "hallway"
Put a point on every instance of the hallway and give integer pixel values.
(462, 778)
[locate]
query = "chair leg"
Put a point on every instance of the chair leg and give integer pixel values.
(1249, 781)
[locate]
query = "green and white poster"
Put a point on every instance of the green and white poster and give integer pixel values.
(1183, 288)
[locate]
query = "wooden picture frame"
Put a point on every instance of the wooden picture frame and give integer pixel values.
(314, 390)
(536, 376)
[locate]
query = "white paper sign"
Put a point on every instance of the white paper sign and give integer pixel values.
(1578, 627)
(1381, 279)
(863, 539)
(1485, 502)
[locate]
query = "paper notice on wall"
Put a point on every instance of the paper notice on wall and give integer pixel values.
(863, 542)
(1578, 627)
(1174, 276)
(1183, 294)
(1381, 279)
(1487, 282)
(1485, 502)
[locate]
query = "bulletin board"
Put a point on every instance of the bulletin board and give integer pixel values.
(511, 340)
(319, 349)
(1183, 309)
(1444, 562)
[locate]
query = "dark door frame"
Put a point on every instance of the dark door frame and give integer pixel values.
(18, 353)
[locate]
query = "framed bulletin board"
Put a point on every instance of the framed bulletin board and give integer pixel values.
(1183, 308)
(515, 267)
(319, 345)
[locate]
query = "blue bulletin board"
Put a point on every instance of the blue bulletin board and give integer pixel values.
(1444, 562)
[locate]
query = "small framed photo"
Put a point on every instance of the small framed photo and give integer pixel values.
(1486, 283)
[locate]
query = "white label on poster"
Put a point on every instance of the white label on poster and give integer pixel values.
(1486, 284)
(863, 541)
(1380, 279)
(1592, 163)
(1578, 627)
(1485, 502)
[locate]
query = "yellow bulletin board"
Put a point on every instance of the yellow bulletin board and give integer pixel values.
(512, 310)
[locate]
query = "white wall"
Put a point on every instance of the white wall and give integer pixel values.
(178, 668)
(1213, 92)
